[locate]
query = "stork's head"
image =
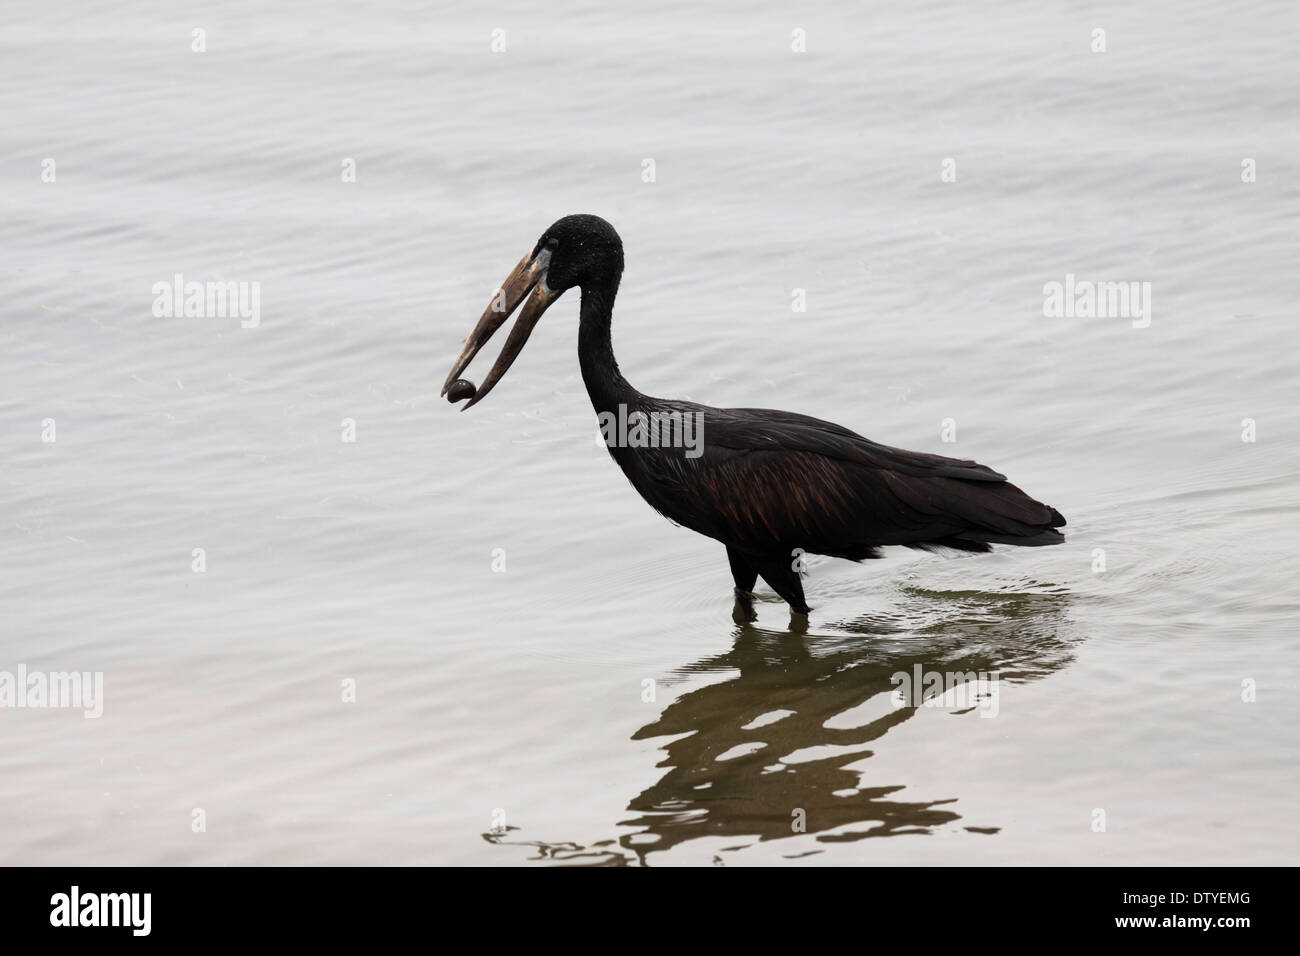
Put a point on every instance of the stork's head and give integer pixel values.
(581, 250)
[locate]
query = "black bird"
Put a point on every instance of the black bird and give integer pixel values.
(769, 485)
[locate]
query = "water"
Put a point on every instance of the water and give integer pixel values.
(594, 702)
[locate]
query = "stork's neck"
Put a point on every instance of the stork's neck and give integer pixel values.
(605, 383)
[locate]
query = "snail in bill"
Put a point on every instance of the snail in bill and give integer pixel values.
(461, 388)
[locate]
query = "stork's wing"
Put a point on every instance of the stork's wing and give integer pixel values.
(772, 480)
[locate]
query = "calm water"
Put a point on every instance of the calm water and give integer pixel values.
(594, 702)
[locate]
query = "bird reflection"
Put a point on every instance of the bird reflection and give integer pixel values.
(780, 746)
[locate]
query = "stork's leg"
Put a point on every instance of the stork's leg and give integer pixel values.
(745, 576)
(785, 581)
(743, 570)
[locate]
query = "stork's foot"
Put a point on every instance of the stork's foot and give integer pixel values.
(744, 612)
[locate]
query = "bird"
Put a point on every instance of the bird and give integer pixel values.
(771, 486)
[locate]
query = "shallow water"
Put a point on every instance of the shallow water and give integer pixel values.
(593, 702)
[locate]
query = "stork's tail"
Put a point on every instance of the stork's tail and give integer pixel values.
(1000, 513)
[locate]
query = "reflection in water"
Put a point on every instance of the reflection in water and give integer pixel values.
(783, 732)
